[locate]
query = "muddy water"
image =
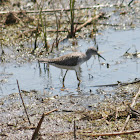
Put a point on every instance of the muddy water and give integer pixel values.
(112, 45)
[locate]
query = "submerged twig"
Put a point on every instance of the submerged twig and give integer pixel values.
(117, 84)
(127, 50)
(23, 103)
(133, 103)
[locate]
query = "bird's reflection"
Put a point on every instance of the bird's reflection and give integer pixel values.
(46, 70)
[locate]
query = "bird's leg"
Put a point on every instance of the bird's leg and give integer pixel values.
(64, 78)
(77, 77)
(78, 87)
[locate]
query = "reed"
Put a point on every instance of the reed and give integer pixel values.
(43, 24)
(72, 17)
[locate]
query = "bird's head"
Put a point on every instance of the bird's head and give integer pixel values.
(93, 51)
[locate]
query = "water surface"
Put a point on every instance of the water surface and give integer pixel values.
(112, 45)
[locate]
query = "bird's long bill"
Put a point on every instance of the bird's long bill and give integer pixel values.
(100, 56)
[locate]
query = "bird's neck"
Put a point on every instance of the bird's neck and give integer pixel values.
(88, 56)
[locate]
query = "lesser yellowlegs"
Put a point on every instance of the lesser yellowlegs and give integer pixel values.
(71, 61)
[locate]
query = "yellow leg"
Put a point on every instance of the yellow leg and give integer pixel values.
(77, 77)
(64, 78)
(78, 87)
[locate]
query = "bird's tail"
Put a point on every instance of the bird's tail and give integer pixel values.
(43, 60)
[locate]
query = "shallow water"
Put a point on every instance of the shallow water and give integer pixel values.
(112, 45)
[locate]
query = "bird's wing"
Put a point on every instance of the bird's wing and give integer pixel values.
(67, 60)
(71, 59)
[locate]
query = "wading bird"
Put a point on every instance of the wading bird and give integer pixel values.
(71, 61)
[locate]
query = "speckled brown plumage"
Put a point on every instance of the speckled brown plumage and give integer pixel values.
(71, 59)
